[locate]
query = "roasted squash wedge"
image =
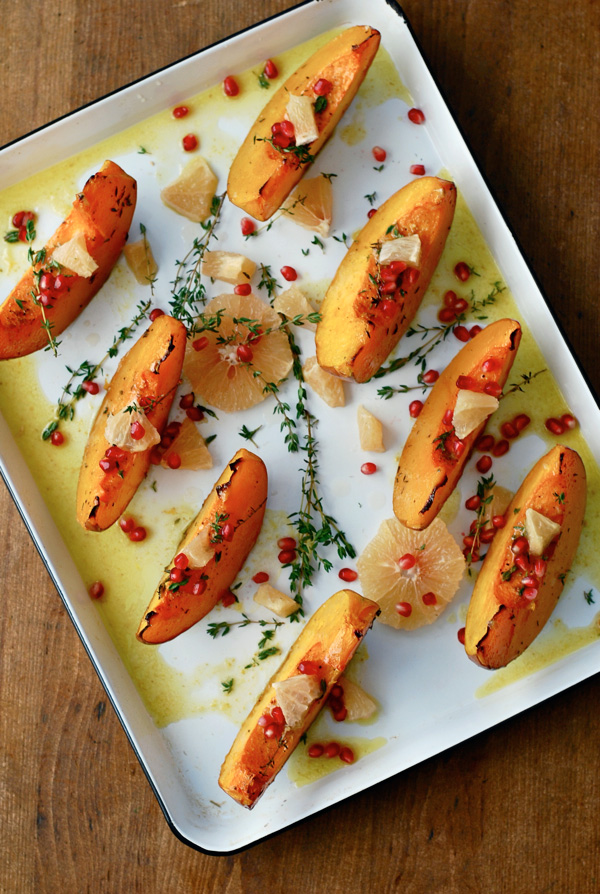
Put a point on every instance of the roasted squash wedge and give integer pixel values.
(129, 422)
(371, 302)
(212, 552)
(434, 456)
(300, 687)
(263, 173)
(523, 574)
(101, 218)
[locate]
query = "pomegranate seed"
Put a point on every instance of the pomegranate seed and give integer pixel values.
(332, 749)
(494, 389)
(173, 460)
(244, 288)
(411, 276)
(340, 714)
(447, 417)
(195, 414)
(474, 330)
(489, 365)
(97, 590)
(397, 267)
(289, 273)
(137, 431)
(46, 282)
(60, 283)
(520, 546)
(415, 407)
(417, 169)
(368, 468)
(529, 581)
(187, 400)
(539, 568)
(500, 448)
(116, 453)
(347, 574)
(461, 333)
(568, 421)
(138, 534)
(461, 305)
(287, 129)
(22, 234)
(271, 70)
(487, 535)
(264, 720)
(404, 609)
(247, 226)
(523, 564)
(277, 714)
(371, 213)
(461, 636)
(90, 387)
(446, 315)
(287, 556)
(484, 464)
(311, 668)
(508, 430)
(555, 426)
(200, 343)
(46, 299)
(227, 599)
(282, 141)
(457, 447)
(521, 421)
(337, 691)
(462, 271)
(530, 593)
(387, 308)
(21, 217)
(156, 313)
(347, 755)
(498, 521)
(416, 116)
(272, 731)
(227, 532)
(261, 577)
(316, 750)
(127, 524)
(230, 86)
(470, 554)
(484, 443)
(379, 154)
(429, 599)
(473, 503)
(244, 353)
(450, 298)
(388, 288)
(199, 588)
(190, 142)
(107, 465)
(286, 543)
(407, 561)
(57, 438)
(431, 376)
(176, 575)
(181, 561)
(469, 540)
(323, 87)
(466, 383)
(180, 111)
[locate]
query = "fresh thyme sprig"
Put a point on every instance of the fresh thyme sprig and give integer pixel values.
(188, 290)
(222, 628)
(151, 279)
(484, 490)
(283, 211)
(86, 372)
(526, 378)
(39, 265)
(301, 153)
(268, 282)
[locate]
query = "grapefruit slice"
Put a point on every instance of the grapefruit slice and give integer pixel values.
(412, 575)
(190, 447)
(311, 204)
(295, 696)
(191, 193)
(224, 376)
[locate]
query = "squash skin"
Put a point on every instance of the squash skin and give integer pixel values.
(426, 474)
(330, 639)
(261, 177)
(103, 211)
(161, 347)
(241, 493)
(354, 337)
(501, 624)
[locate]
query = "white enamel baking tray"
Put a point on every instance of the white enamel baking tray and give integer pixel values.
(430, 695)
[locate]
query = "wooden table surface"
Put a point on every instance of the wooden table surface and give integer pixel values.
(514, 809)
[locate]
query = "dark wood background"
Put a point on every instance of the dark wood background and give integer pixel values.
(516, 808)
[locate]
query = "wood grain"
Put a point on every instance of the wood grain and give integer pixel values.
(514, 809)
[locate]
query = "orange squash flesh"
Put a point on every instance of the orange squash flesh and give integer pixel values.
(261, 177)
(102, 212)
(328, 642)
(146, 376)
(501, 622)
(239, 499)
(430, 467)
(357, 330)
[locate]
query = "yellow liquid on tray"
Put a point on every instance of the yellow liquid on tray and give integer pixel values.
(130, 571)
